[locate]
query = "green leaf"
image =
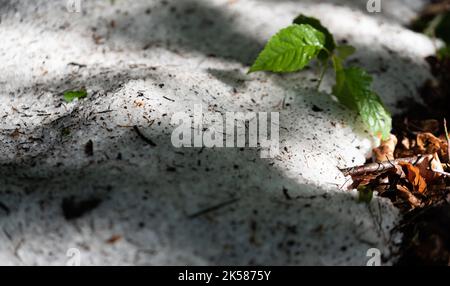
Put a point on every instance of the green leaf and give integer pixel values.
(375, 115)
(444, 53)
(70, 96)
(290, 50)
(65, 131)
(330, 44)
(345, 51)
(353, 89)
(365, 194)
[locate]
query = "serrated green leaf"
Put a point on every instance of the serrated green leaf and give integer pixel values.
(290, 50)
(70, 96)
(329, 45)
(353, 89)
(375, 115)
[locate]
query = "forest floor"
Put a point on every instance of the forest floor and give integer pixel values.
(100, 174)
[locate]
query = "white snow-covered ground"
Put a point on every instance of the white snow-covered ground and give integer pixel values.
(141, 62)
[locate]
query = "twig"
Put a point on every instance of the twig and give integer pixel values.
(431, 29)
(380, 167)
(441, 173)
(142, 136)
(322, 74)
(104, 111)
(213, 208)
(77, 65)
(169, 99)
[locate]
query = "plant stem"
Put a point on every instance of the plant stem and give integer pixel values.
(432, 26)
(322, 74)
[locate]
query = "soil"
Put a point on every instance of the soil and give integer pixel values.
(426, 236)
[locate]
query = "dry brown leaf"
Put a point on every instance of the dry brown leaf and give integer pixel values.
(405, 148)
(406, 143)
(385, 152)
(408, 196)
(428, 165)
(113, 239)
(430, 125)
(427, 143)
(15, 135)
(362, 180)
(414, 177)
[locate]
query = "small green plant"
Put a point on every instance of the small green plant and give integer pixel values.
(365, 194)
(294, 47)
(71, 95)
(436, 25)
(444, 53)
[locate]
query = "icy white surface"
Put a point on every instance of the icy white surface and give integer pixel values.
(142, 62)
